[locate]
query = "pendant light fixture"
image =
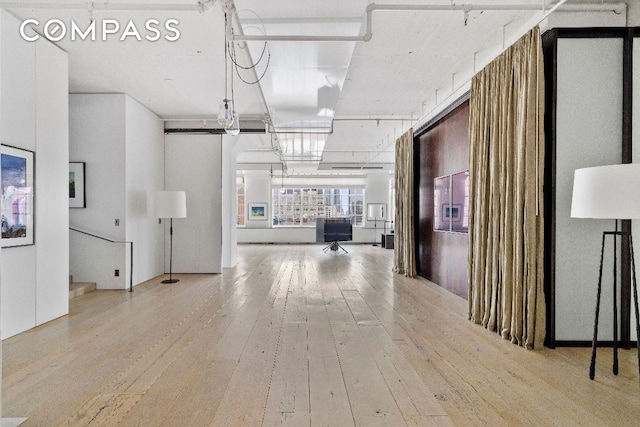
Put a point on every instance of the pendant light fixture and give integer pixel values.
(227, 115)
(233, 128)
(225, 112)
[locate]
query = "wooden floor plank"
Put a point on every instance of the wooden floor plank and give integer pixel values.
(372, 403)
(296, 336)
(329, 402)
(288, 400)
(246, 396)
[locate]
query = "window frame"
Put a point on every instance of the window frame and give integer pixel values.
(299, 206)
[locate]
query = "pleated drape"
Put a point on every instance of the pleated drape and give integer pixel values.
(404, 252)
(506, 224)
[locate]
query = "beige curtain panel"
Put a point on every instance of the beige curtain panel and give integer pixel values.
(404, 253)
(506, 236)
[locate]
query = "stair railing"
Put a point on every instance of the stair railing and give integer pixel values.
(113, 241)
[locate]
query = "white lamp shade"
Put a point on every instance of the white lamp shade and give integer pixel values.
(376, 210)
(607, 192)
(171, 204)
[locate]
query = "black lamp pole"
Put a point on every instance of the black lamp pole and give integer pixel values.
(375, 232)
(170, 279)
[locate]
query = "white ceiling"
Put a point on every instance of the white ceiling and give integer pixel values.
(377, 89)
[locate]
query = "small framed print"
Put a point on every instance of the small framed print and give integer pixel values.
(452, 212)
(257, 211)
(76, 185)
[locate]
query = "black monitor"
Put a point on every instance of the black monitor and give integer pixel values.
(337, 230)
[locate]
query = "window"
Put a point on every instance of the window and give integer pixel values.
(241, 203)
(301, 206)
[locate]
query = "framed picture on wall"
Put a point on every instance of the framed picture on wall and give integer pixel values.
(76, 185)
(18, 180)
(452, 212)
(257, 211)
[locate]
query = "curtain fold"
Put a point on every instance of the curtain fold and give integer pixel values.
(506, 224)
(404, 253)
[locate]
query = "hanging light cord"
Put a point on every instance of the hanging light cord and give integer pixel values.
(265, 48)
(225, 60)
(233, 56)
(233, 97)
(234, 59)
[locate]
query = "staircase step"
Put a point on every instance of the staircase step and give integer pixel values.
(80, 288)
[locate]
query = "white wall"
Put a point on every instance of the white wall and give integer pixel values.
(17, 128)
(145, 175)
(277, 235)
(33, 116)
(52, 188)
(229, 203)
(97, 135)
(121, 143)
(589, 123)
(194, 164)
(257, 189)
(377, 191)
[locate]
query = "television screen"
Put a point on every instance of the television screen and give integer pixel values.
(337, 229)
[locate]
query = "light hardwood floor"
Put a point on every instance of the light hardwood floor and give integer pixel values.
(294, 336)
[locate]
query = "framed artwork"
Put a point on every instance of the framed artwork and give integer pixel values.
(76, 185)
(452, 212)
(258, 211)
(17, 182)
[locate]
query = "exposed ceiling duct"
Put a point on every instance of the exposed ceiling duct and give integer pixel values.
(464, 8)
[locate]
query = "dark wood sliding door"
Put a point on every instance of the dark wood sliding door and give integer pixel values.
(441, 149)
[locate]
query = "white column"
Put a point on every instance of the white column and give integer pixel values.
(229, 201)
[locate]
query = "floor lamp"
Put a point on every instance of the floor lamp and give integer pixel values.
(610, 192)
(171, 204)
(375, 211)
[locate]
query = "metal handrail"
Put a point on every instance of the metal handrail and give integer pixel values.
(113, 241)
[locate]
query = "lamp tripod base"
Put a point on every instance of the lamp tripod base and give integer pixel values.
(334, 246)
(171, 281)
(594, 344)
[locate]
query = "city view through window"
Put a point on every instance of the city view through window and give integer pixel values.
(301, 206)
